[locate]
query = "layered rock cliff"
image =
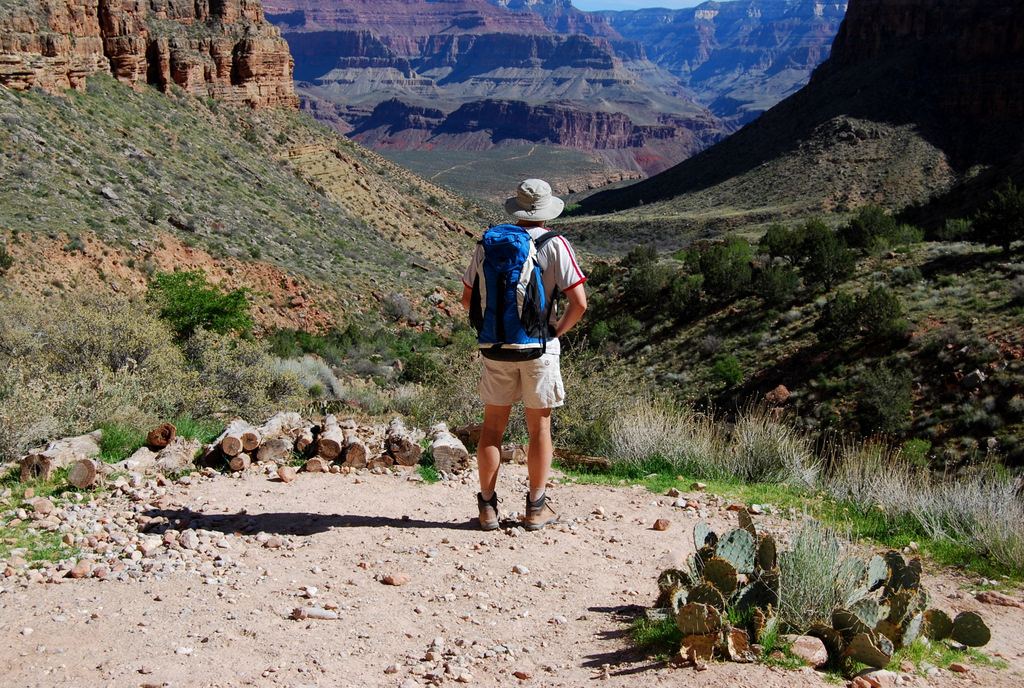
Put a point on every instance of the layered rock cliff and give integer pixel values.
(920, 100)
(219, 48)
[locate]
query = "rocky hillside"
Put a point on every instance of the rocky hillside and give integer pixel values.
(917, 98)
(403, 75)
(225, 50)
(739, 57)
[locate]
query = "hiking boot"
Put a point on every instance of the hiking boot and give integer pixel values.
(488, 511)
(538, 514)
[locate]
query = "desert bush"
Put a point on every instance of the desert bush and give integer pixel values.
(955, 229)
(313, 374)
(640, 256)
(776, 284)
(727, 370)
(1017, 291)
(780, 242)
(766, 448)
(6, 259)
(869, 228)
(398, 307)
(725, 267)
(810, 572)
(826, 258)
(237, 377)
(645, 285)
(885, 399)
(684, 296)
(1001, 221)
(190, 303)
(880, 313)
(837, 322)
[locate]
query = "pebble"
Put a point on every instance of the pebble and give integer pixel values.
(520, 569)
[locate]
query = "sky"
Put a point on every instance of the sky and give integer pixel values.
(593, 5)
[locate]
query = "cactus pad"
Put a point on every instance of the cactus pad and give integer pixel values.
(747, 523)
(830, 637)
(897, 564)
(678, 599)
(737, 547)
(969, 629)
(867, 611)
(674, 578)
(851, 572)
(756, 595)
(703, 536)
(721, 574)
(869, 649)
(912, 628)
(937, 624)
(848, 624)
(763, 621)
(707, 594)
(878, 573)
(767, 557)
(698, 619)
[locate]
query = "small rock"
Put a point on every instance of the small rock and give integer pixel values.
(811, 650)
(662, 524)
(83, 569)
(998, 598)
(698, 487)
(522, 674)
(286, 474)
(959, 668)
(673, 492)
(520, 569)
(397, 578)
(43, 506)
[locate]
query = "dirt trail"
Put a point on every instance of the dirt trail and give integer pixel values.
(549, 608)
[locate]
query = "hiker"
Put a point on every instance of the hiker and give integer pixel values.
(527, 368)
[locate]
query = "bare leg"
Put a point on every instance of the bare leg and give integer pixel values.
(488, 453)
(539, 455)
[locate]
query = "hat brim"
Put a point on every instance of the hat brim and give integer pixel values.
(553, 210)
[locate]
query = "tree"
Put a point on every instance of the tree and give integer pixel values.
(725, 267)
(776, 284)
(1001, 221)
(885, 400)
(189, 303)
(780, 242)
(826, 260)
(870, 225)
(880, 313)
(838, 319)
(727, 370)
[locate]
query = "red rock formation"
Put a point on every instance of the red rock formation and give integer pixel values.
(224, 49)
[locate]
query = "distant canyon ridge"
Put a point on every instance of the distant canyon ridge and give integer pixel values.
(640, 90)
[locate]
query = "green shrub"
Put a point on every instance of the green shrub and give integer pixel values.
(6, 260)
(838, 320)
(776, 284)
(189, 303)
(880, 313)
(826, 259)
(870, 226)
(781, 242)
(885, 398)
(725, 267)
(727, 370)
(645, 285)
(640, 256)
(955, 229)
(1001, 221)
(684, 296)
(765, 448)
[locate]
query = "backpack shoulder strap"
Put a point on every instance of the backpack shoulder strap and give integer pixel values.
(545, 238)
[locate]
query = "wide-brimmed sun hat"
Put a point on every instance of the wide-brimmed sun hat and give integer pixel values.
(533, 201)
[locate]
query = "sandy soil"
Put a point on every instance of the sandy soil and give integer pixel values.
(549, 608)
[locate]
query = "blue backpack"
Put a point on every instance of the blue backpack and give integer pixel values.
(508, 308)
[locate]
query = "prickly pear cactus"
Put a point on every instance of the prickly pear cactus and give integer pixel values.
(679, 599)
(669, 581)
(703, 536)
(878, 573)
(870, 649)
(721, 574)
(707, 594)
(937, 624)
(767, 556)
(764, 620)
(698, 619)
(969, 629)
(834, 643)
(747, 523)
(848, 624)
(867, 611)
(851, 573)
(737, 547)
(912, 628)
(755, 595)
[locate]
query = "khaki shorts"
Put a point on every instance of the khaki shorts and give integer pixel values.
(538, 382)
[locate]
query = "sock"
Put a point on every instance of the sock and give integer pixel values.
(486, 496)
(535, 494)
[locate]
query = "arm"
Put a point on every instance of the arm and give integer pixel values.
(577, 305)
(467, 295)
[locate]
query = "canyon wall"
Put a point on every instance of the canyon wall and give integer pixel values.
(210, 48)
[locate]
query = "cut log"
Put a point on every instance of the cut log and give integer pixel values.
(571, 459)
(402, 443)
(332, 439)
(356, 452)
(277, 450)
(137, 462)
(450, 455)
(382, 461)
(87, 473)
(237, 437)
(318, 464)
(212, 457)
(305, 437)
(286, 424)
(177, 456)
(469, 434)
(240, 462)
(42, 462)
(161, 436)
